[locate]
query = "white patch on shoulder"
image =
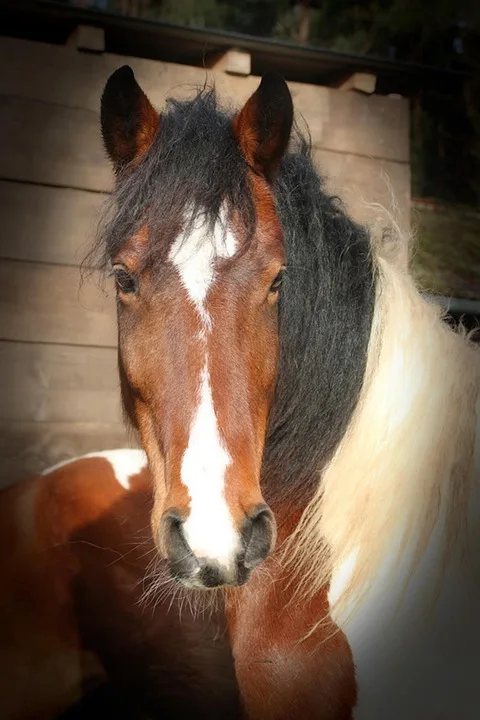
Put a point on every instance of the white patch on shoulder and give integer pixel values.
(209, 529)
(125, 462)
(194, 253)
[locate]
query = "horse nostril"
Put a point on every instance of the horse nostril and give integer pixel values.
(258, 535)
(183, 562)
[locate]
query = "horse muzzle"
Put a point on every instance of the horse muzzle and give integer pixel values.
(256, 539)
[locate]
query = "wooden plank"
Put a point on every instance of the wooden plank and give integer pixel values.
(59, 383)
(361, 182)
(48, 303)
(29, 448)
(48, 224)
(376, 126)
(52, 144)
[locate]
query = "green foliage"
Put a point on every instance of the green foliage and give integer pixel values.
(192, 13)
(255, 17)
(446, 259)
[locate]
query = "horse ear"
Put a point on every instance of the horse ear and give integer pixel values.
(262, 128)
(129, 121)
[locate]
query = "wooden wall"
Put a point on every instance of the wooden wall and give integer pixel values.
(58, 384)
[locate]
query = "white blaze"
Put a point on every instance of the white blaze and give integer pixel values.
(209, 528)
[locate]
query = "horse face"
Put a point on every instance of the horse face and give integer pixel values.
(198, 351)
(198, 354)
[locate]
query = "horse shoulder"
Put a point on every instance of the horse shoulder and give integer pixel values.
(43, 665)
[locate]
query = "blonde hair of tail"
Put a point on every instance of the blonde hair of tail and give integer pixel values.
(408, 452)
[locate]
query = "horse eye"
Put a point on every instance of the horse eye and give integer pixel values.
(275, 286)
(126, 282)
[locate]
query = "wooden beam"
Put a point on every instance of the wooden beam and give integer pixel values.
(233, 61)
(87, 38)
(363, 82)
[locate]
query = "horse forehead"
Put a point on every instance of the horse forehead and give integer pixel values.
(195, 251)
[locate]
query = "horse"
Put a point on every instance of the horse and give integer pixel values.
(310, 426)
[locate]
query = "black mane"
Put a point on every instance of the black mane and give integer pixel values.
(327, 299)
(326, 310)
